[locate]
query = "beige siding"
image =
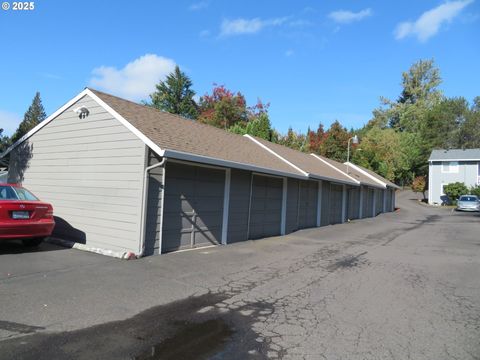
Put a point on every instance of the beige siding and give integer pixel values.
(91, 170)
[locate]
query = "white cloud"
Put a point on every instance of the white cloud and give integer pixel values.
(204, 33)
(347, 16)
(199, 5)
(242, 26)
(136, 80)
(9, 122)
(50, 76)
(429, 23)
(300, 23)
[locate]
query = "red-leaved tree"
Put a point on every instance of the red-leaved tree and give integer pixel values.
(223, 108)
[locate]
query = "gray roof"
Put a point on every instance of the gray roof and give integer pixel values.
(455, 154)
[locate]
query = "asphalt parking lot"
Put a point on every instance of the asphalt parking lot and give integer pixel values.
(404, 285)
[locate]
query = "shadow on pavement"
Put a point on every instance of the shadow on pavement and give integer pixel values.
(9, 247)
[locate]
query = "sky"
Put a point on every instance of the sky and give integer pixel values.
(313, 61)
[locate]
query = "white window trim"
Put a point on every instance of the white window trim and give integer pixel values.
(478, 173)
(442, 193)
(452, 169)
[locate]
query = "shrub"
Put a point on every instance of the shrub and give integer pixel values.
(475, 190)
(455, 190)
(420, 185)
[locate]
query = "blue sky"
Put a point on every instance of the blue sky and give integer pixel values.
(313, 61)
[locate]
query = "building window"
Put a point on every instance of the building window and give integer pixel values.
(442, 189)
(449, 167)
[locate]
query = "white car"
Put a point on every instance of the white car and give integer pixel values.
(468, 203)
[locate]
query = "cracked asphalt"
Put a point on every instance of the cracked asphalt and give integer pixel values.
(404, 285)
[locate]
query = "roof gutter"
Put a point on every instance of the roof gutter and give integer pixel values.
(334, 180)
(180, 155)
(143, 217)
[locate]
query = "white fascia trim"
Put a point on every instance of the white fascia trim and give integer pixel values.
(124, 122)
(44, 122)
(432, 160)
(275, 154)
(180, 155)
(333, 180)
(335, 168)
(384, 185)
(112, 112)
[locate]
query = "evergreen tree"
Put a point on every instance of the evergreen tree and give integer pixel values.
(259, 126)
(34, 116)
(4, 142)
(470, 130)
(175, 95)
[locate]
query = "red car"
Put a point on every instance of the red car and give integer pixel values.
(23, 216)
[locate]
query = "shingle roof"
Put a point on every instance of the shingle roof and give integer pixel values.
(455, 154)
(306, 162)
(172, 132)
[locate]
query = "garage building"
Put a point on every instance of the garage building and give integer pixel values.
(126, 178)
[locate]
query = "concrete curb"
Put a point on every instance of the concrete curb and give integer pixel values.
(74, 245)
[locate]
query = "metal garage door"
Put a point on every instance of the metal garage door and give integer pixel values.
(193, 207)
(336, 198)
(292, 206)
(325, 212)
(353, 203)
(379, 201)
(265, 207)
(388, 194)
(307, 207)
(368, 202)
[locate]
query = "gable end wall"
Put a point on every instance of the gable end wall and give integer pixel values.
(91, 170)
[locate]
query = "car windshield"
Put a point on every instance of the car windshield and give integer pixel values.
(15, 193)
(468, 198)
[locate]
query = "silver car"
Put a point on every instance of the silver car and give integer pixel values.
(468, 203)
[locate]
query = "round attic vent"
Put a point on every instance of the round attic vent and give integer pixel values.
(82, 112)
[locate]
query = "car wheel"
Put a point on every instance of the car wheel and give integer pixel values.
(32, 242)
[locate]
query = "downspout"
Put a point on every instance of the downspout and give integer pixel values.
(144, 206)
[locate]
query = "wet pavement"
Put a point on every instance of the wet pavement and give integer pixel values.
(404, 285)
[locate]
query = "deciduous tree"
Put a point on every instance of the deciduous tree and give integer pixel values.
(419, 185)
(335, 142)
(223, 108)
